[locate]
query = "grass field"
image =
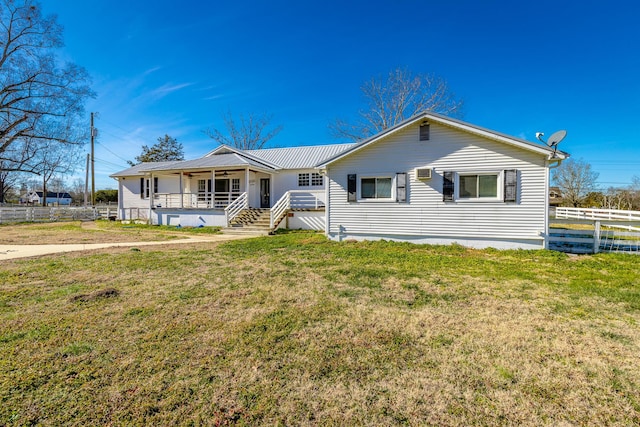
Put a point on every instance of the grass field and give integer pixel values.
(296, 330)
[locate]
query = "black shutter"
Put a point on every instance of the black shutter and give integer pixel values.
(351, 187)
(424, 132)
(448, 186)
(510, 185)
(142, 188)
(401, 187)
(155, 185)
(209, 185)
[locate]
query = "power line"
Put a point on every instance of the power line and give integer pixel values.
(106, 148)
(106, 162)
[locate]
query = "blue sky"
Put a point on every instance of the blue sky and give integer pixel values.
(167, 67)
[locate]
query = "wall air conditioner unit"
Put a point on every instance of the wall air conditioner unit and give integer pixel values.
(423, 173)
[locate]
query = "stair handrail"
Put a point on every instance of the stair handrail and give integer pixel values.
(279, 208)
(234, 208)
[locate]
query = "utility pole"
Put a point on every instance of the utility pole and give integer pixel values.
(93, 160)
(86, 181)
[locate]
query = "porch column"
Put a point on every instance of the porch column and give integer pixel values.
(246, 183)
(181, 192)
(151, 191)
(213, 188)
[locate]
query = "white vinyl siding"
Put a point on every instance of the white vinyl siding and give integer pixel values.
(425, 213)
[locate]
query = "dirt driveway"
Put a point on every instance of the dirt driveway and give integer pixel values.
(29, 240)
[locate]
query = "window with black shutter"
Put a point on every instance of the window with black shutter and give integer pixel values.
(510, 185)
(448, 186)
(401, 187)
(155, 185)
(352, 185)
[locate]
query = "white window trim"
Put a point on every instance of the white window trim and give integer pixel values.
(499, 183)
(373, 200)
(307, 178)
(317, 176)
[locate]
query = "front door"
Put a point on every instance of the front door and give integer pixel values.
(265, 193)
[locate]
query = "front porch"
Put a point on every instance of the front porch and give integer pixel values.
(304, 209)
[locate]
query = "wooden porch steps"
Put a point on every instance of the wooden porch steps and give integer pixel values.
(252, 220)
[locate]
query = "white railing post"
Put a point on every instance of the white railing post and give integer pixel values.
(234, 208)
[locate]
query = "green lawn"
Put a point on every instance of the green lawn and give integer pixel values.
(296, 330)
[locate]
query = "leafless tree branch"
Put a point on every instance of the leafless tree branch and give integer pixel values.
(247, 132)
(395, 98)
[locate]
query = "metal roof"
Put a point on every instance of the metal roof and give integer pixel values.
(139, 169)
(299, 157)
(216, 161)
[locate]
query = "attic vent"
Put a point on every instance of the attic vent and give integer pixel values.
(424, 173)
(424, 131)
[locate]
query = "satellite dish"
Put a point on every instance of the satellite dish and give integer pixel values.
(556, 137)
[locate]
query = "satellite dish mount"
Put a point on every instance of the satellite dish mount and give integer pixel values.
(553, 140)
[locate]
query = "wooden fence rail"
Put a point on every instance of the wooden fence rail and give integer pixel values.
(593, 236)
(54, 214)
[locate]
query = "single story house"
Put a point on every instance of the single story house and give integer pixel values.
(429, 179)
(53, 198)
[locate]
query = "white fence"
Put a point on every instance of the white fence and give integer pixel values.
(593, 236)
(53, 214)
(600, 214)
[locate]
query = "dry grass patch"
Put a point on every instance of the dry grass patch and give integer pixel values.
(91, 232)
(297, 330)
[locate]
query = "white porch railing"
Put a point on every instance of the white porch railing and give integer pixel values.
(218, 200)
(296, 199)
(235, 207)
(600, 214)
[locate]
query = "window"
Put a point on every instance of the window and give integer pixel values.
(222, 185)
(235, 185)
(375, 188)
(306, 179)
(202, 189)
(303, 180)
(144, 187)
(478, 186)
(490, 186)
(316, 179)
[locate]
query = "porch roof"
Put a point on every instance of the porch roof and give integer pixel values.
(221, 161)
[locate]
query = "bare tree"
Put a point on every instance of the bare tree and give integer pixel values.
(8, 182)
(40, 97)
(394, 98)
(248, 132)
(575, 179)
(52, 160)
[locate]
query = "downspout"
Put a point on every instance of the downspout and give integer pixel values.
(121, 212)
(327, 202)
